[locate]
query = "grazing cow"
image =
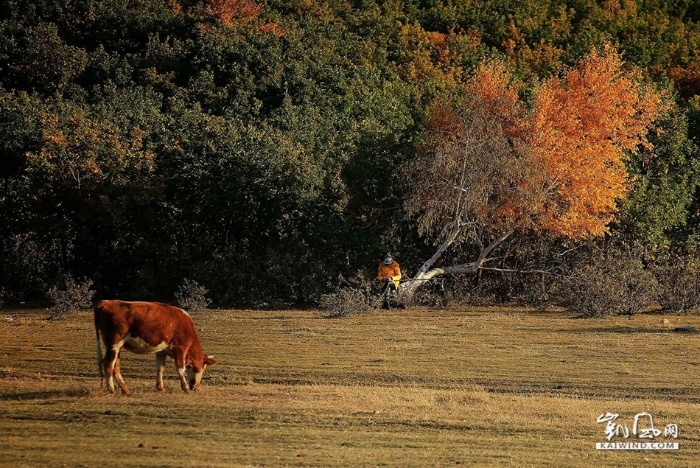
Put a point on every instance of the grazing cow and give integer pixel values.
(149, 327)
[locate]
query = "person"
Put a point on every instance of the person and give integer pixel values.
(389, 275)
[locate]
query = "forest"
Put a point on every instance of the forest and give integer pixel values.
(274, 151)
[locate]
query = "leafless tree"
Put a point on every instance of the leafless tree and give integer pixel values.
(471, 184)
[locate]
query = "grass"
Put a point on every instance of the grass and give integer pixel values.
(474, 387)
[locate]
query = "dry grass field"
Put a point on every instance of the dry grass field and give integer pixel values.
(474, 387)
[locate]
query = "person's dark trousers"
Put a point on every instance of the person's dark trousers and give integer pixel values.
(388, 294)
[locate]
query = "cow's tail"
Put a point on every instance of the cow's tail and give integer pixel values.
(97, 345)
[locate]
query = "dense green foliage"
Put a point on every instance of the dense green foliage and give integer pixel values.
(255, 149)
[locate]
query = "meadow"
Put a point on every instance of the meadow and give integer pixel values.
(424, 387)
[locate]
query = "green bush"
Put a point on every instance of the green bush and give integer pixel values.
(192, 296)
(71, 296)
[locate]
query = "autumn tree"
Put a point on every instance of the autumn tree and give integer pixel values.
(490, 166)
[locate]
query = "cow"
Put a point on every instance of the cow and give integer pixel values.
(149, 327)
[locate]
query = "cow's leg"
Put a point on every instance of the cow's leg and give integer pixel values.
(108, 363)
(118, 374)
(179, 357)
(160, 368)
(111, 362)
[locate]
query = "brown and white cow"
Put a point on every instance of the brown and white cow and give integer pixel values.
(149, 327)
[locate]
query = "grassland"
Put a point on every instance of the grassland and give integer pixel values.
(474, 387)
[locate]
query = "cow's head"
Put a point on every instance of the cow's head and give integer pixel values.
(194, 373)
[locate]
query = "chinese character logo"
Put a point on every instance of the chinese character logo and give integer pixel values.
(612, 429)
(642, 428)
(647, 432)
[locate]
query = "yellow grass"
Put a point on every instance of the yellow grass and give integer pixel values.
(476, 387)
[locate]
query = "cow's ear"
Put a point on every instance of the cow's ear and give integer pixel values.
(209, 361)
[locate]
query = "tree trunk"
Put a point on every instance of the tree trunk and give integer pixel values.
(408, 289)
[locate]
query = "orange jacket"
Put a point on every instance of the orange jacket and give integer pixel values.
(392, 270)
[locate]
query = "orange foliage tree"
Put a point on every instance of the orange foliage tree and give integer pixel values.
(490, 165)
(234, 13)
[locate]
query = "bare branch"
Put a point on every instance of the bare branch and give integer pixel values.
(509, 270)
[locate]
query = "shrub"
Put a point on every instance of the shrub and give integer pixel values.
(70, 297)
(680, 285)
(346, 302)
(357, 297)
(192, 296)
(619, 285)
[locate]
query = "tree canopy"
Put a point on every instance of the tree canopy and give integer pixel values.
(496, 165)
(259, 147)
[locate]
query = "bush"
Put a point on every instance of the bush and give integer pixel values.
(192, 296)
(617, 286)
(680, 285)
(358, 297)
(346, 302)
(71, 297)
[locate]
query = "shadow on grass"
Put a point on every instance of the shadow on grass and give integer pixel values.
(42, 395)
